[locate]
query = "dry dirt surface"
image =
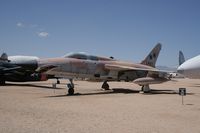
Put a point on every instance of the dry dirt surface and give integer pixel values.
(35, 107)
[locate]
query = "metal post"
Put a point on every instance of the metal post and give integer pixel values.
(182, 100)
(182, 92)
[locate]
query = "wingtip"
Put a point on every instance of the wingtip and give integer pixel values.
(159, 45)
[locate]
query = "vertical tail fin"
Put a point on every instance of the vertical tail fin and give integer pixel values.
(151, 58)
(181, 58)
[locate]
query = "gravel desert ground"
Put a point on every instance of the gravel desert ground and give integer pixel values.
(35, 107)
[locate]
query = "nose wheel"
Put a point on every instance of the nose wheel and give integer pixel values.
(70, 87)
(58, 81)
(105, 85)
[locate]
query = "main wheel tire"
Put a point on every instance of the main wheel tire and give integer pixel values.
(71, 91)
(105, 86)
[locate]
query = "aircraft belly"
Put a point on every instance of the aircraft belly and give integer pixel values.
(131, 75)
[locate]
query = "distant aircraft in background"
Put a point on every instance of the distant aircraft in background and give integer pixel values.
(88, 67)
(20, 69)
(181, 58)
(189, 68)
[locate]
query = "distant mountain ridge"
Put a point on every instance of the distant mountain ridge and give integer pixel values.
(174, 69)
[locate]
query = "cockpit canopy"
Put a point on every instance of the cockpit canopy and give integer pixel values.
(85, 56)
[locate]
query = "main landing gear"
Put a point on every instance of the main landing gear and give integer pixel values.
(146, 89)
(70, 87)
(105, 85)
(54, 84)
(58, 81)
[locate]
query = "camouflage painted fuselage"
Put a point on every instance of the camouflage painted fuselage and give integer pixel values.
(93, 70)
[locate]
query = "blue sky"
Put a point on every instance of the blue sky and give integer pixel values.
(125, 29)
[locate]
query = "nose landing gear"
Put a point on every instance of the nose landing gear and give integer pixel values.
(70, 87)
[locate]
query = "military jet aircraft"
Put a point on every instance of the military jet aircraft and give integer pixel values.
(84, 66)
(20, 69)
(97, 68)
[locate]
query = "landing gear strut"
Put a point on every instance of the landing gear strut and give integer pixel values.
(71, 87)
(54, 84)
(145, 88)
(58, 81)
(105, 85)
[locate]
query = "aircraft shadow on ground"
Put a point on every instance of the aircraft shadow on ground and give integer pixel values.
(154, 91)
(111, 91)
(124, 91)
(32, 85)
(196, 85)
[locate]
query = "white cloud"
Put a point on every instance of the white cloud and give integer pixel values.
(43, 34)
(31, 27)
(19, 24)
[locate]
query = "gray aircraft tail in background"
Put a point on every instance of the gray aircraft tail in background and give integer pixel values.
(181, 58)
